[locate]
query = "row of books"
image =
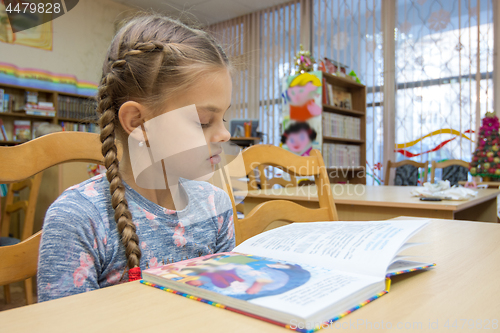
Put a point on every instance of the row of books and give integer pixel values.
(6, 101)
(339, 126)
(24, 130)
(21, 131)
(76, 108)
(336, 97)
(339, 155)
(78, 127)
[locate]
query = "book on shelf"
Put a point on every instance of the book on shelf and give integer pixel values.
(4, 132)
(76, 107)
(31, 98)
(22, 130)
(71, 126)
(340, 98)
(300, 276)
(39, 112)
(340, 126)
(341, 155)
(40, 109)
(324, 90)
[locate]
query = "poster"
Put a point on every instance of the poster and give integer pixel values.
(302, 108)
(40, 36)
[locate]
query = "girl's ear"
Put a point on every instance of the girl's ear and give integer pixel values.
(131, 116)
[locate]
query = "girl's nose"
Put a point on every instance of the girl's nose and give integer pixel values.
(221, 135)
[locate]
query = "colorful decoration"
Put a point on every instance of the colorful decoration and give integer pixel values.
(302, 113)
(304, 61)
(400, 147)
(40, 79)
(486, 158)
(354, 76)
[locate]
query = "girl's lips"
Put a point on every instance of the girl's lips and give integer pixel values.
(215, 159)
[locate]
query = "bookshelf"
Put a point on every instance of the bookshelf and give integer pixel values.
(350, 138)
(72, 111)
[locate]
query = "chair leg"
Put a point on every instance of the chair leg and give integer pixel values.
(28, 289)
(6, 293)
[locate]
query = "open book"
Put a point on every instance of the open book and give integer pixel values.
(301, 276)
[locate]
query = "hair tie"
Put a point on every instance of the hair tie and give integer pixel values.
(134, 274)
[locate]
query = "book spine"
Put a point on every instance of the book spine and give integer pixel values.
(290, 327)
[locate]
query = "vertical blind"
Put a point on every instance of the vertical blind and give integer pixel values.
(263, 56)
(444, 76)
(349, 31)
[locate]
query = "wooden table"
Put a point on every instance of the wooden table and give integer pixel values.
(366, 203)
(463, 285)
(488, 184)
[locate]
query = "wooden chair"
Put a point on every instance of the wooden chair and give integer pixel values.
(29, 207)
(442, 165)
(390, 165)
(19, 262)
(266, 183)
(20, 162)
(282, 210)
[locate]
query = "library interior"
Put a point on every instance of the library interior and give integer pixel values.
(269, 164)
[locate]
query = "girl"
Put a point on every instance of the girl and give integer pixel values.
(154, 67)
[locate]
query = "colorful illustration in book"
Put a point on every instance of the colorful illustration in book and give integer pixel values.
(302, 104)
(299, 138)
(237, 275)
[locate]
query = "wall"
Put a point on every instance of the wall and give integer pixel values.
(80, 40)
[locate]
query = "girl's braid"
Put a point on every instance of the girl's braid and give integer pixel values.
(108, 110)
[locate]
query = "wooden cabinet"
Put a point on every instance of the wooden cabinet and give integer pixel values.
(352, 137)
(71, 111)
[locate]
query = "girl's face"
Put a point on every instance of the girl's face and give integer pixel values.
(298, 141)
(187, 137)
(212, 97)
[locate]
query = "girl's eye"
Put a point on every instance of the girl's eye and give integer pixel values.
(205, 125)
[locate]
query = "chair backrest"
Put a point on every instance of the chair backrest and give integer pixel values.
(23, 161)
(267, 183)
(282, 210)
(460, 173)
(390, 165)
(28, 206)
(19, 262)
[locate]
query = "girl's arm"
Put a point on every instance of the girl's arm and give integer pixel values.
(226, 240)
(69, 253)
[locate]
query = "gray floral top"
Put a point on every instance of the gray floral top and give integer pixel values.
(81, 249)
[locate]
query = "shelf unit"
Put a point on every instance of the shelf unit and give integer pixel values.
(246, 141)
(17, 93)
(355, 174)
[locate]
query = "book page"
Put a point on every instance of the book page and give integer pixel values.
(325, 290)
(358, 247)
(288, 289)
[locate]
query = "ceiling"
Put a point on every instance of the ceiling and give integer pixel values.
(203, 11)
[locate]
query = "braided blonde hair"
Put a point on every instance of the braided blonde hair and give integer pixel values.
(150, 58)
